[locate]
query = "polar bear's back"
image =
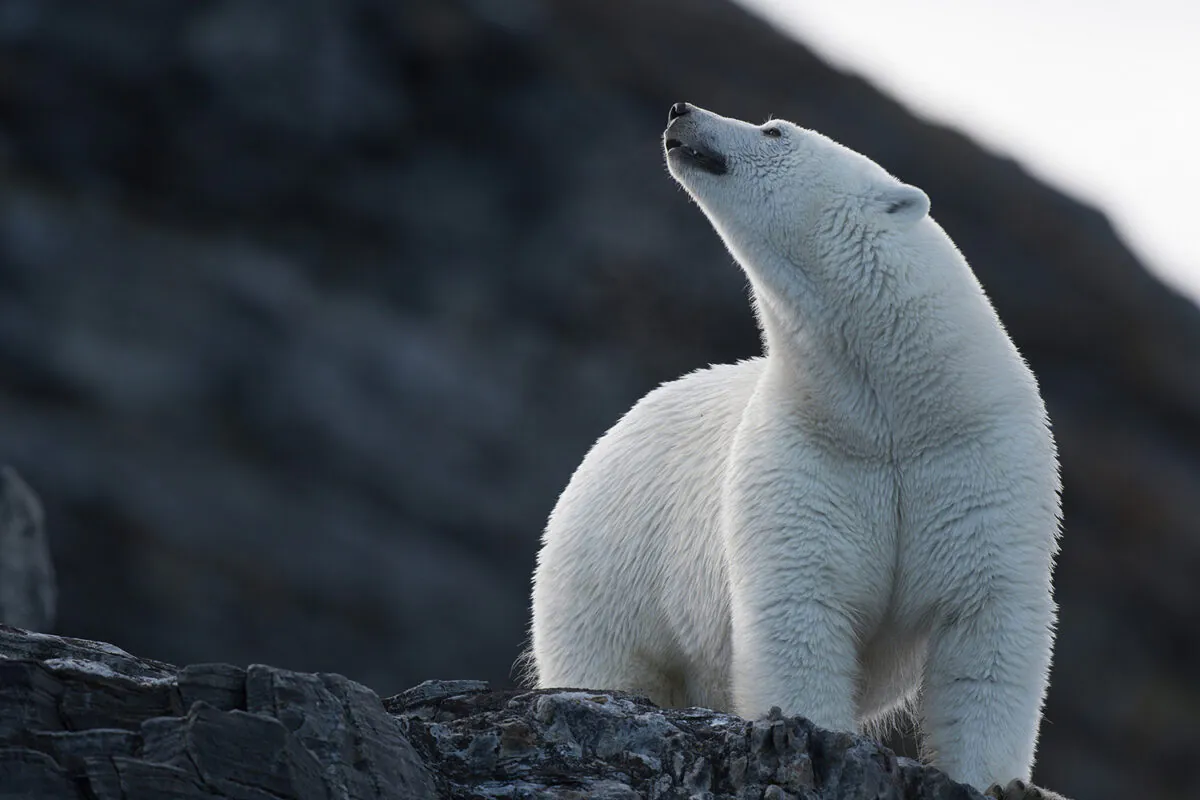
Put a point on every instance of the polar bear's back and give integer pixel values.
(632, 561)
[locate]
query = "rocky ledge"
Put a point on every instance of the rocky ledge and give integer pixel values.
(88, 721)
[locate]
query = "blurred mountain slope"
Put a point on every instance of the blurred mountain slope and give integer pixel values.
(308, 310)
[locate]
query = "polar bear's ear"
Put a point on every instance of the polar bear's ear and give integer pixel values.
(903, 203)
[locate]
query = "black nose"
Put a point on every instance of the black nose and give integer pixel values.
(678, 110)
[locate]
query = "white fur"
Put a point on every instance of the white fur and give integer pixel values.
(868, 510)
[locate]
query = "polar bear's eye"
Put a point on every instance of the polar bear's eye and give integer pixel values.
(772, 132)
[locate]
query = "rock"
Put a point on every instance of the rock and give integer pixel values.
(300, 736)
(430, 692)
(27, 590)
(72, 723)
(605, 744)
(67, 655)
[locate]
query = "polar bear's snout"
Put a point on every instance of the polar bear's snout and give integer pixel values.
(685, 142)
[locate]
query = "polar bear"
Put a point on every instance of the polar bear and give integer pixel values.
(865, 517)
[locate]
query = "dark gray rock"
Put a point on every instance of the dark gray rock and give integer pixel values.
(428, 692)
(234, 753)
(64, 653)
(560, 743)
(30, 694)
(69, 724)
(135, 778)
(73, 749)
(28, 773)
(324, 737)
(220, 685)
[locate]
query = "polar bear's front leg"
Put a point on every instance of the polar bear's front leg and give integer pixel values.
(801, 660)
(805, 564)
(791, 649)
(984, 683)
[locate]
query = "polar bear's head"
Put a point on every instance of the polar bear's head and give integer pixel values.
(780, 193)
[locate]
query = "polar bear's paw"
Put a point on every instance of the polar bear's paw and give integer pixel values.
(1020, 790)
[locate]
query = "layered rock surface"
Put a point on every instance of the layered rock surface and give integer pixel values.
(84, 720)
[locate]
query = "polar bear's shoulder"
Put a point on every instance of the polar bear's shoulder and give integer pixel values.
(709, 382)
(717, 391)
(691, 418)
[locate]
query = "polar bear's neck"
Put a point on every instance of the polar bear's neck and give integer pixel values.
(884, 357)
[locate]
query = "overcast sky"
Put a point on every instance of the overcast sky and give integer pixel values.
(1102, 98)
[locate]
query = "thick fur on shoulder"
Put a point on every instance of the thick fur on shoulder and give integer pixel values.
(862, 520)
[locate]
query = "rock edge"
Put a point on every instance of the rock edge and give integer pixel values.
(87, 721)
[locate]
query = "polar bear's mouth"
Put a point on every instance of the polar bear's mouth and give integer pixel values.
(706, 160)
